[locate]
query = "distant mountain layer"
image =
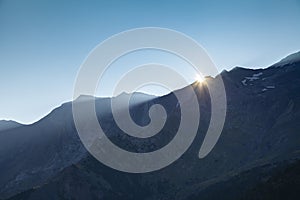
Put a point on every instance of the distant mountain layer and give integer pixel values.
(259, 147)
(4, 125)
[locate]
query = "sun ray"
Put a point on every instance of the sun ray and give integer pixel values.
(199, 78)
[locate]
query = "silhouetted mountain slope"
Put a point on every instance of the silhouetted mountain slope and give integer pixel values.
(289, 60)
(261, 129)
(31, 154)
(4, 125)
(268, 182)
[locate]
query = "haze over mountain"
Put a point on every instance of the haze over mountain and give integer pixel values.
(258, 149)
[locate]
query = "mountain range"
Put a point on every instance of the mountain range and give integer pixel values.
(256, 157)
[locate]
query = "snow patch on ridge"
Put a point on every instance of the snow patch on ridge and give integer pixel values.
(252, 78)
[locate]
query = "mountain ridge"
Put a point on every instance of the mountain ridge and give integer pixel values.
(260, 129)
(8, 124)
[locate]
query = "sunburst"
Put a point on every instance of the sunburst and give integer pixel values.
(199, 78)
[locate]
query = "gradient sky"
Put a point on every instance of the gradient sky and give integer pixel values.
(43, 43)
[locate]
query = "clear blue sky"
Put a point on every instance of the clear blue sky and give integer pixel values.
(43, 43)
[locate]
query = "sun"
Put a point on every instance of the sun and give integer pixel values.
(199, 78)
